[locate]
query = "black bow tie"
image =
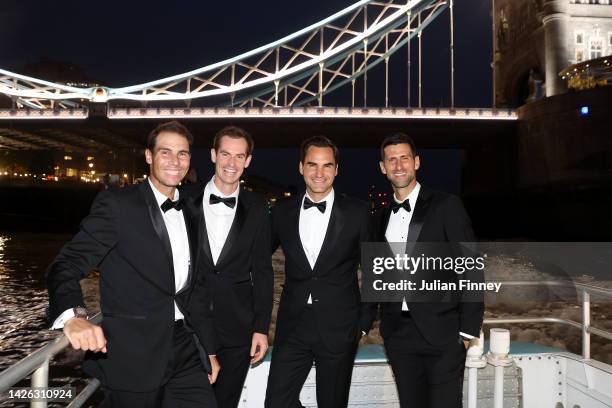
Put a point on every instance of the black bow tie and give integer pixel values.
(168, 204)
(321, 205)
(404, 204)
(229, 201)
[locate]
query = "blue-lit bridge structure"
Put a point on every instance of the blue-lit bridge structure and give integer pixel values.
(293, 82)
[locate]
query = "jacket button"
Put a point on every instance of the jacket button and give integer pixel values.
(216, 272)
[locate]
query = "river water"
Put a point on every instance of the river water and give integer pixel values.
(24, 258)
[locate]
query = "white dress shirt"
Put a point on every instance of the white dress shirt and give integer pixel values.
(398, 226)
(179, 243)
(313, 227)
(219, 218)
(397, 232)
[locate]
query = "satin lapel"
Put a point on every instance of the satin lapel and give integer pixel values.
(293, 222)
(332, 235)
(203, 236)
(235, 229)
(420, 212)
(191, 223)
(383, 223)
(158, 224)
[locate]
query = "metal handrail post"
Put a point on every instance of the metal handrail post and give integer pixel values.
(498, 392)
(586, 324)
(472, 395)
(40, 379)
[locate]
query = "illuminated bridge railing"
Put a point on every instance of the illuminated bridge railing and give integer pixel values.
(315, 112)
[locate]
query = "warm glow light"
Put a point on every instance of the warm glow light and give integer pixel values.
(90, 165)
(332, 113)
(125, 175)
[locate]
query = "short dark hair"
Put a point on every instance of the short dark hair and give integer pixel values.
(172, 126)
(234, 132)
(395, 139)
(318, 141)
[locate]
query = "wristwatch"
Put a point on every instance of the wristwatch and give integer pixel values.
(80, 312)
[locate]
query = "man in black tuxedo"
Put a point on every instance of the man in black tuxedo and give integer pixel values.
(320, 233)
(235, 257)
(152, 349)
(425, 342)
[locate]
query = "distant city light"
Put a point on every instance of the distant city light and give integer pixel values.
(125, 175)
(584, 110)
(67, 157)
(90, 165)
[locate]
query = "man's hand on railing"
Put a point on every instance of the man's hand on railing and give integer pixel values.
(85, 335)
(214, 363)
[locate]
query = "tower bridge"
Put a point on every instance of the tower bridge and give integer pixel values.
(320, 77)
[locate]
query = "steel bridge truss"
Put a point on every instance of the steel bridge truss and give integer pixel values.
(297, 70)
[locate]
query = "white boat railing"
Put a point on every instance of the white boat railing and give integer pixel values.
(585, 291)
(37, 363)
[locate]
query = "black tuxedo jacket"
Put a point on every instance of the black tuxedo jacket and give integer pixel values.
(437, 217)
(333, 282)
(242, 281)
(125, 237)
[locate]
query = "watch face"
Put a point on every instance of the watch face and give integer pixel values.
(81, 312)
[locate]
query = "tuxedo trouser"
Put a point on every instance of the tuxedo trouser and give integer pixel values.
(426, 376)
(234, 363)
(293, 359)
(185, 383)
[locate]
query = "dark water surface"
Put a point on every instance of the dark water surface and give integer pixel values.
(24, 258)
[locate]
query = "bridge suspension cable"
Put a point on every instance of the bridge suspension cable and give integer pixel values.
(297, 70)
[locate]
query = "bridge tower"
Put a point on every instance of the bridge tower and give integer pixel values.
(536, 39)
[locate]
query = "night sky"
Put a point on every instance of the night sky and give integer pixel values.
(126, 42)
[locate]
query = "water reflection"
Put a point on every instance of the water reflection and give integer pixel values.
(24, 258)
